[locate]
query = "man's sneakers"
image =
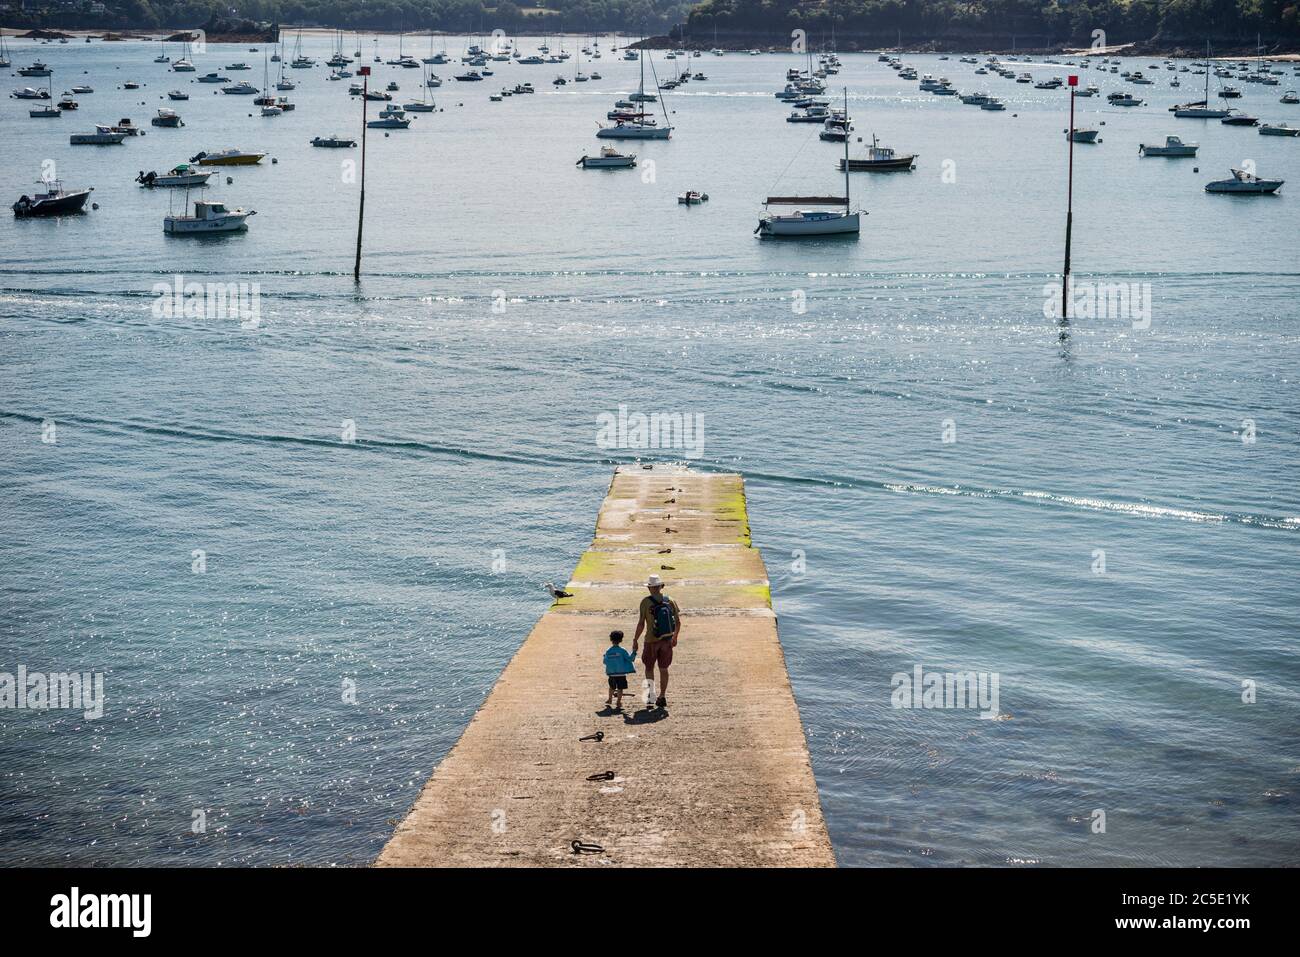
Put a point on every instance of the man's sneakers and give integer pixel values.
(661, 702)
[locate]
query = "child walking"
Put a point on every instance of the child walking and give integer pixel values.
(618, 665)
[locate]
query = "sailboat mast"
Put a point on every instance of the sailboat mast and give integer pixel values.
(846, 151)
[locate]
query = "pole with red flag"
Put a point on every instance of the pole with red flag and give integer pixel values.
(364, 72)
(1069, 208)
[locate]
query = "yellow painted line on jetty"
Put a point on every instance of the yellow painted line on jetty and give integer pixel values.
(722, 779)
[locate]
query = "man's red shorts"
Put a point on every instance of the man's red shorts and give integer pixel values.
(658, 653)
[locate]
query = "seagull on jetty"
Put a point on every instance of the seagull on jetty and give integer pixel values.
(557, 593)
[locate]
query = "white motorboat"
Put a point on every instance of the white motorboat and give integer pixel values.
(692, 197)
(242, 88)
(214, 78)
(103, 136)
(609, 158)
(83, 89)
(993, 104)
(1173, 146)
(209, 217)
(1278, 129)
(1244, 183)
(36, 69)
(272, 110)
(1083, 136)
(1290, 97)
(181, 175)
(27, 93)
(183, 65)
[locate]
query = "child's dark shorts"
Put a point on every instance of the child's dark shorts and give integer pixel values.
(618, 682)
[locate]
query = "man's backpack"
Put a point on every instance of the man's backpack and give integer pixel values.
(665, 621)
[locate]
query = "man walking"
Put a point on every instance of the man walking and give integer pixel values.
(661, 620)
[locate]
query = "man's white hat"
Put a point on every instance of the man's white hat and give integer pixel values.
(654, 581)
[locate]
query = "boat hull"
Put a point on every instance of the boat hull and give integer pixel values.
(244, 159)
(789, 227)
(189, 226)
(898, 164)
(633, 133)
(63, 206)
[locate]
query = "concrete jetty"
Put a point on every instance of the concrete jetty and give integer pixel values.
(721, 778)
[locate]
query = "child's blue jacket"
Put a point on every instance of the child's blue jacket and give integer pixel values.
(618, 661)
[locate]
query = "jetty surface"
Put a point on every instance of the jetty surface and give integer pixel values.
(721, 777)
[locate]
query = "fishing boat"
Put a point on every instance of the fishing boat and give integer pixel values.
(1173, 146)
(27, 93)
(45, 113)
(804, 223)
(227, 157)
(54, 201)
(1244, 183)
(1278, 129)
(103, 136)
(333, 142)
(692, 198)
(36, 69)
(880, 159)
(1123, 99)
(66, 102)
(180, 175)
(609, 158)
(209, 216)
(167, 118)
(993, 104)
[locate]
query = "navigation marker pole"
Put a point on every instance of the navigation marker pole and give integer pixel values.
(364, 72)
(1069, 210)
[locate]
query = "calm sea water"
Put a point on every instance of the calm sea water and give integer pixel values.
(509, 298)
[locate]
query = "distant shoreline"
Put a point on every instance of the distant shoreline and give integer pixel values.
(1142, 48)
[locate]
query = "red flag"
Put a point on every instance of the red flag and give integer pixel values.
(1074, 80)
(365, 71)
